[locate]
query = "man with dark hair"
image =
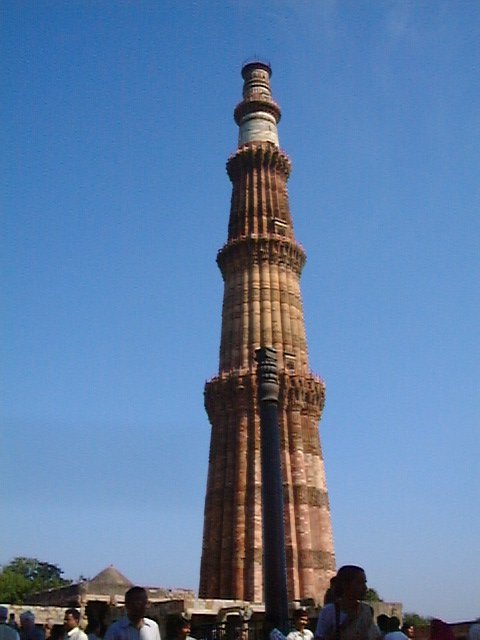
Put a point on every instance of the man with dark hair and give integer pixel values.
(182, 628)
(393, 630)
(71, 620)
(135, 626)
(383, 622)
(300, 620)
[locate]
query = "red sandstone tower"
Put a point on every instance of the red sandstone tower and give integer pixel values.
(261, 265)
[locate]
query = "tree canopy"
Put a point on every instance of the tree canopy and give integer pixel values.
(372, 596)
(416, 620)
(24, 576)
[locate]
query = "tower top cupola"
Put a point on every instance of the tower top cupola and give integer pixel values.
(258, 114)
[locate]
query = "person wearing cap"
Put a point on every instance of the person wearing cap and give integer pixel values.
(28, 630)
(6, 631)
(71, 620)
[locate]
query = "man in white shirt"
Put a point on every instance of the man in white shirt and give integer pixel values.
(71, 621)
(135, 626)
(300, 620)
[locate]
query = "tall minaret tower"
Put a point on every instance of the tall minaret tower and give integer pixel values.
(261, 265)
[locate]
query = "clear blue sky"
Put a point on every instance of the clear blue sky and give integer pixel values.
(117, 123)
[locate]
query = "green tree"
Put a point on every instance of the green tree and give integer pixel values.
(24, 576)
(416, 620)
(372, 596)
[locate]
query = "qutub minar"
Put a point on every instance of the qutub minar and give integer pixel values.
(261, 265)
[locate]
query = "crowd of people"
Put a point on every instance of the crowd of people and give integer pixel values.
(28, 630)
(344, 616)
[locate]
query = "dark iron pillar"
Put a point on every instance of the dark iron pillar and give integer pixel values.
(274, 559)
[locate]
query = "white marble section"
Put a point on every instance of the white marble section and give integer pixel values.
(258, 127)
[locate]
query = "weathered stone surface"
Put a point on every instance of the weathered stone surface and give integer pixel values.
(261, 264)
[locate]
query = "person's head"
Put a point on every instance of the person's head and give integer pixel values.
(3, 614)
(71, 619)
(329, 596)
(48, 628)
(393, 624)
(300, 619)
(382, 622)
(350, 583)
(136, 600)
(408, 629)
(27, 620)
(182, 627)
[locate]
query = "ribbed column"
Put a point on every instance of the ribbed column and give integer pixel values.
(291, 543)
(265, 304)
(254, 575)
(212, 535)
(277, 337)
(239, 520)
(285, 310)
(255, 316)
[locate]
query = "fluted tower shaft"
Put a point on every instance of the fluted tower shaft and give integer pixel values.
(261, 264)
